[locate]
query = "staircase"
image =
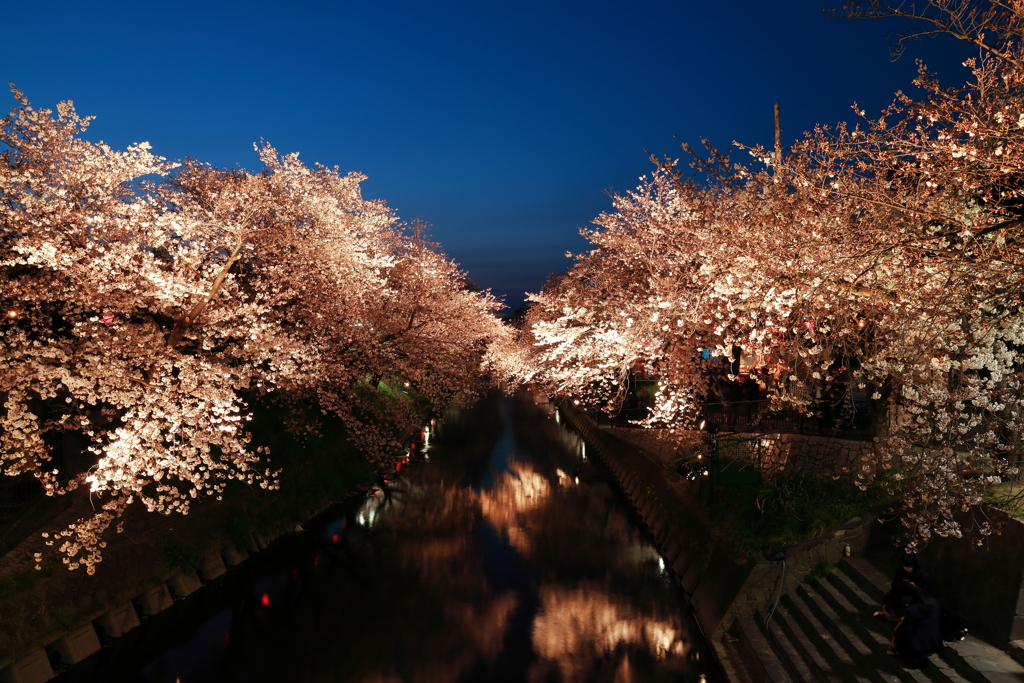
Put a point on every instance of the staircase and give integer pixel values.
(824, 633)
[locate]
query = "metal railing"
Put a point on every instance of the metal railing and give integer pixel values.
(737, 461)
(760, 417)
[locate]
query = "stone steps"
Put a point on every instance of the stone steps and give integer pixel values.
(823, 632)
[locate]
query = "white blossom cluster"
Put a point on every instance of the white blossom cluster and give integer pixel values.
(886, 259)
(144, 304)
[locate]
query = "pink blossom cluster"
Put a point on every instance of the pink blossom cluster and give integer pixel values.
(147, 303)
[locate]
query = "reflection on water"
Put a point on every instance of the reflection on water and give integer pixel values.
(505, 556)
(580, 624)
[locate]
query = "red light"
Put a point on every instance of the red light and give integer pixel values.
(334, 538)
(265, 600)
(350, 340)
(809, 324)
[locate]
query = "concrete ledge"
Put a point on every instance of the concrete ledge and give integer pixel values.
(184, 582)
(155, 600)
(728, 661)
(654, 516)
(1016, 650)
(691, 578)
(771, 669)
(995, 665)
(671, 546)
(251, 546)
(211, 566)
(232, 556)
(680, 565)
(35, 668)
(77, 645)
(659, 528)
(119, 620)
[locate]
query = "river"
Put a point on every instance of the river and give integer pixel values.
(500, 552)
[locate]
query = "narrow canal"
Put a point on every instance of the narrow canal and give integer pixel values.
(500, 553)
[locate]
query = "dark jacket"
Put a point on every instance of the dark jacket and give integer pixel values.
(893, 603)
(918, 635)
(918, 577)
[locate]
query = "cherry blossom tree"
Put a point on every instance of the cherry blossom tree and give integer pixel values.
(146, 302)
(883, 257)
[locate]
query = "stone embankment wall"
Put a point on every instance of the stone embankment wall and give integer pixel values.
(62, 619)
(812, 453)
(984, 583)
(701, 563)
(721, 587)
(662, 444)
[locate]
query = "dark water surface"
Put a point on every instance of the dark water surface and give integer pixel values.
(501, 553)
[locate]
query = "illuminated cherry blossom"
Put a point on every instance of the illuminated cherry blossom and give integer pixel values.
(146, 302)
(884, 259)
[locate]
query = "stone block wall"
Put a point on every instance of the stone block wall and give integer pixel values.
(721, 587)
(821, 454)
(703, 566)
(660, 444)
(779, 452)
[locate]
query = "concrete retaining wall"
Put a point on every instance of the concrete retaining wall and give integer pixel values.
(703, 566)
(812, 453)
(722, 588)
(29, 661)
(768, 580)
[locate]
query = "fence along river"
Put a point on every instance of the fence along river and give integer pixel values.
(500, 553)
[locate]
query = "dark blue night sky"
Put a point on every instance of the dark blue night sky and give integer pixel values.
(502, 124)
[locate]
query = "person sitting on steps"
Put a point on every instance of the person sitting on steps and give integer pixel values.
(917, 635)
(909, 572)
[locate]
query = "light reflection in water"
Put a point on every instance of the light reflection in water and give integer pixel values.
(580, 624)
(540, 575)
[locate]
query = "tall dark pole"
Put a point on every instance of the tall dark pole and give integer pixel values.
(778, 137)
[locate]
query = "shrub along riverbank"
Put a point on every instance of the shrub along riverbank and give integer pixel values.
(792, 507)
